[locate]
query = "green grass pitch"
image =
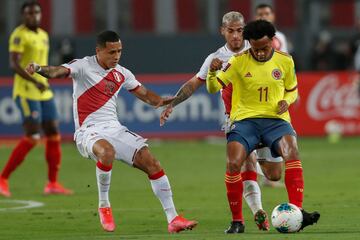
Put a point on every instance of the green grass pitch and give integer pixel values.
(196, 173)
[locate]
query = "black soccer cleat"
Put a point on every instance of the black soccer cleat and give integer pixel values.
(235, 227)
(309, 218)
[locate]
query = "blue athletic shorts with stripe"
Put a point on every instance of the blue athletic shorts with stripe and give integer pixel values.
(36, 111)
(252, 131)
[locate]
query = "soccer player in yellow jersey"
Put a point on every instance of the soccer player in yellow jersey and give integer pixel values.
(34, 98)
(264, 85)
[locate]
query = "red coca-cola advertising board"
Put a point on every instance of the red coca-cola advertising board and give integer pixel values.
(329, 102)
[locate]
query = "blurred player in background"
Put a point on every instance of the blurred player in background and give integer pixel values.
(232, 27)
(264, 85)
(34, 98)
(266, 12)
(100, 136)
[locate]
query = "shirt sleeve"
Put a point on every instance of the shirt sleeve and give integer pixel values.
(291, 91)
(226, 74)
(130, 82)
(17, 42)
(205, 68)
(75, 68)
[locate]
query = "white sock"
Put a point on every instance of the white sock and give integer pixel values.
(252, 195)
(103, 179)
(161, 188)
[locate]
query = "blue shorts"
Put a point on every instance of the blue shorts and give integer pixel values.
(252, 131)
(37, 111)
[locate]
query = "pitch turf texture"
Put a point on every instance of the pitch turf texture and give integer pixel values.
(196, 173)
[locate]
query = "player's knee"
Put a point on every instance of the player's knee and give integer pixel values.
(234, 166)
(293, 153)
(274, 175)
(34, 138)
(107, 154)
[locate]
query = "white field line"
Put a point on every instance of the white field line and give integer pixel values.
(26, 204)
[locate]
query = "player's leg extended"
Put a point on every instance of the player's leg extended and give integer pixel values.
(31, 124)
(236, 154)
(294, 180)
(252, 192)
(52, 147)
(161, 187)
(105, 155)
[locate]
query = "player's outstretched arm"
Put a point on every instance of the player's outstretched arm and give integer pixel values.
(212, 84)
(47, 71)
(151, 98)
(185, 91)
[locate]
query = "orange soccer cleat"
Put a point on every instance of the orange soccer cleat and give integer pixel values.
(55, 188)
(4, 187)
(106, 219)
(179, 224)
(261, 220)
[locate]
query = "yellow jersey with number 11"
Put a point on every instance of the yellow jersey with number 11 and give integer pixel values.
(259, 86)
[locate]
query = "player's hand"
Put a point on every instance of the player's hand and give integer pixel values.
(215, 65)
(32, 68)
(165, 114)
(165, 101)
(282, 107)
(40, 86)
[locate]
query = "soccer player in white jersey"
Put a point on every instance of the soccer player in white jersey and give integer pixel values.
(232, 26)
(266, 12)
(98, 133)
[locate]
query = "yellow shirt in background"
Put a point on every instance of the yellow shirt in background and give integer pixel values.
(259, 86)
(34, 47)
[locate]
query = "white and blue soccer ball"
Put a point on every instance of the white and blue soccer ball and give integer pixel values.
(286, 218)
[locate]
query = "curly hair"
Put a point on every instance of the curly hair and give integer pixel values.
(258, 29)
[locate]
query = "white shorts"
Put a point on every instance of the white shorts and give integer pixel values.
(125, 142)
(264, 154)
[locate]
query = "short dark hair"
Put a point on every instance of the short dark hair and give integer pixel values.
(30, 3)
(106, 36)
(264, 5)
(258, 29)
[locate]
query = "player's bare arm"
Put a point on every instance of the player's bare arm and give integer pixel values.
(184, 93)
(48, 71)
(151, 98)
(15, 65)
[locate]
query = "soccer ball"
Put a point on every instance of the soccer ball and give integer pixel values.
(286, 218)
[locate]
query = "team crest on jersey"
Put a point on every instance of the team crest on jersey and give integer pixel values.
(109, 87)
(276, 74)
(17, 41)
(227, 67)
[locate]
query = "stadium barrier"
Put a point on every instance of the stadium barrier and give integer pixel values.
(327, 99)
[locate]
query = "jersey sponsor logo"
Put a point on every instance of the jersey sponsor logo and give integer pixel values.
(276, 74)
(227, 67)
(248, 74)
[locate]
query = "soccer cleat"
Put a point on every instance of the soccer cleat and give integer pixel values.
(4, 187)
(55, 188)
(261, 220)
(309, 218)
(179, 224)
(106, 219)
(235, 227)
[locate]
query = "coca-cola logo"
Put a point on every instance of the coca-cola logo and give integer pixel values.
(331, 99)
